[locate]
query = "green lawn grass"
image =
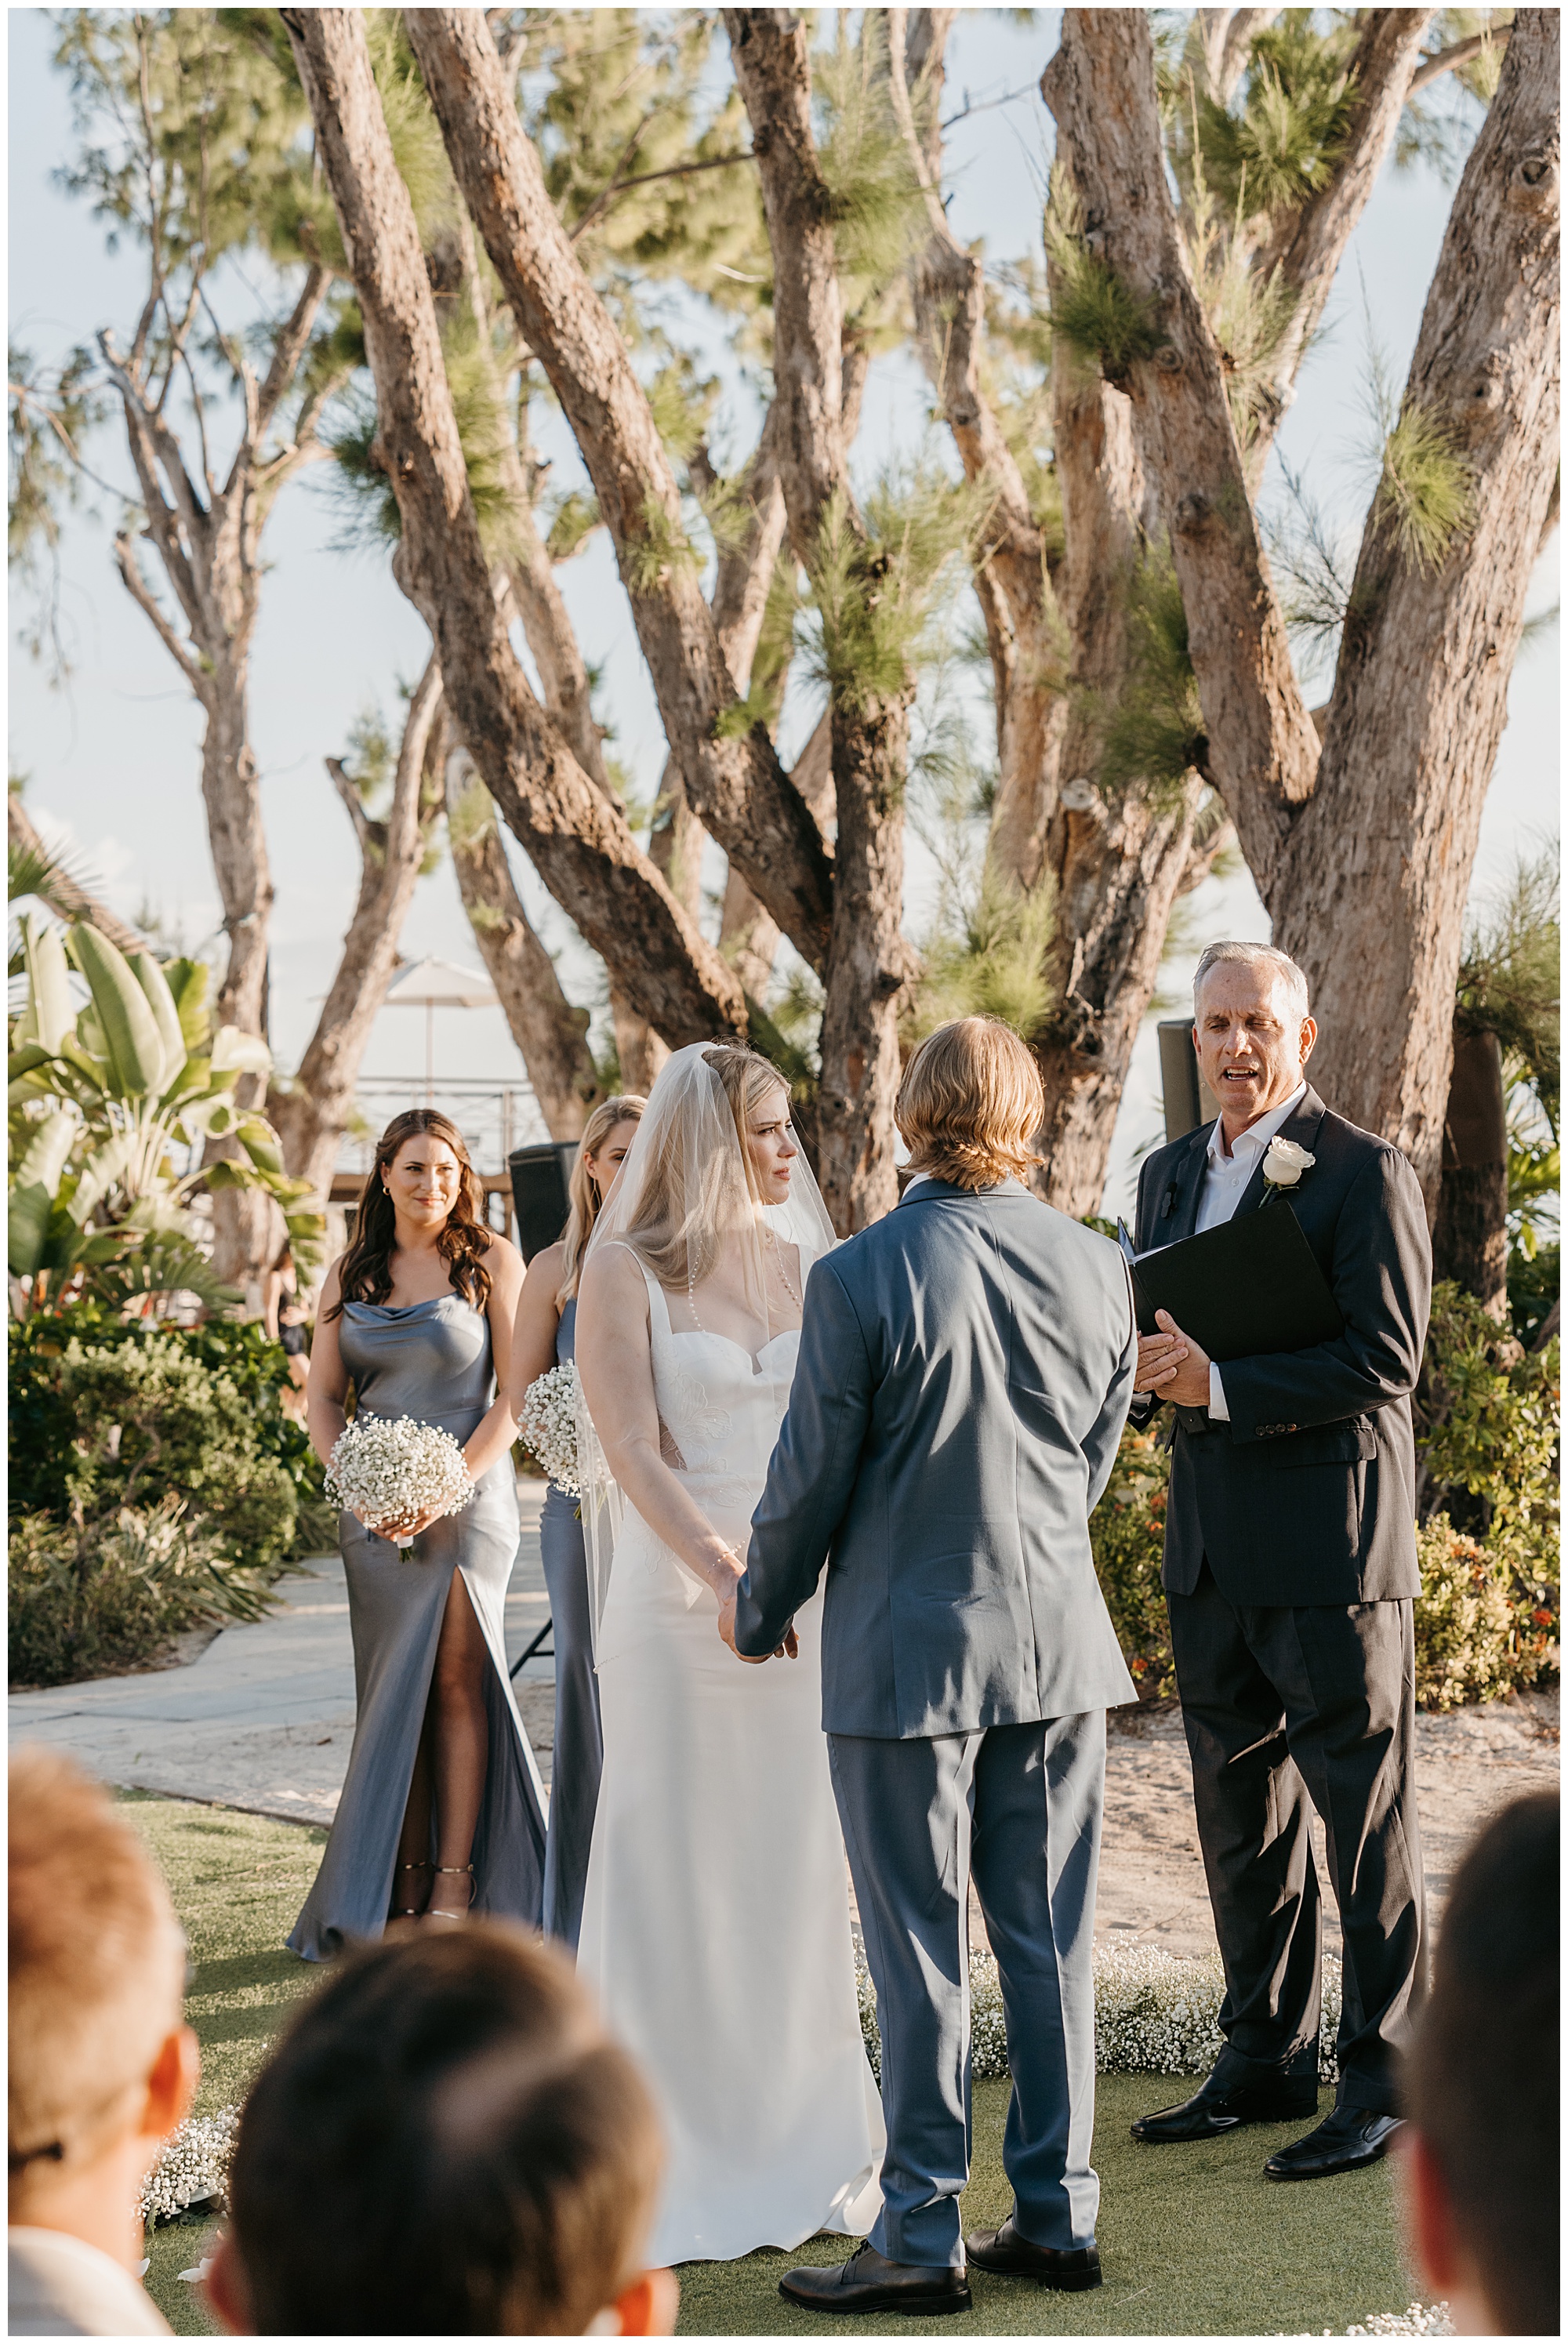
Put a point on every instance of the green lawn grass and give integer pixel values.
(1195, 2242)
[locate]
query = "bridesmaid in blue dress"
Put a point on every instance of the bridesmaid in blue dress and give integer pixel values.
(442, 1808)
(544, 1339)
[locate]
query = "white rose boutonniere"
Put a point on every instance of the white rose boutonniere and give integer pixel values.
(1283, 1165)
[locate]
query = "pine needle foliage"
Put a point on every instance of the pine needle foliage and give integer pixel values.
(878, 209)
(1280, 142)
(875, 590)
(1155, 734)
(1249, 313)
(1093, 312)
(1510, 980)
(1426, 496)
(659, 550)
(989, 961)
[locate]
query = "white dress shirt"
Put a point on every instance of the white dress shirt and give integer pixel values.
(1224, 1183)
(60, 2285)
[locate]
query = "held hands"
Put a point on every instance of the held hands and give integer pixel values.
(788, 1649)
(1172, 1365)
(406, 1527)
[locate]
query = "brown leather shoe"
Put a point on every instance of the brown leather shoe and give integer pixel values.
(869, 2283)
(1073, 2269)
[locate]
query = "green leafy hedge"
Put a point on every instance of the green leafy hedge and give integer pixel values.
(155, 1482)
(1489, 1615)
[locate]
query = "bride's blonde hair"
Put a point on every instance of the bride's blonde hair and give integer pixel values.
(684, 1210)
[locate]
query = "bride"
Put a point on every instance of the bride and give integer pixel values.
(715, 1924)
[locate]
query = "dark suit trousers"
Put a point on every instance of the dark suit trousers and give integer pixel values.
(1282, 1704)
(1017, 1808)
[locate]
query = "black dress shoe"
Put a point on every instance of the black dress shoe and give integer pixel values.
(869, 2283)
(1212, 2111)
(1071, 2269)
(1347, 2139)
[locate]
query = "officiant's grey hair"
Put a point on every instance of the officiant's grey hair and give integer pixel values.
(1261, 957)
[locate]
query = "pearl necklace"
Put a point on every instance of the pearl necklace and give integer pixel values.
(777, 1252)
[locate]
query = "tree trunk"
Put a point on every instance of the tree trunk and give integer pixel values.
(1369, 892)
(578, 841)
(1469, 1237)
(735, 786)
(551, 1035)
(868, 965)
(1363, 860)
(312, 1113)
(1121, 871)
(1100, 88)
(869, 962)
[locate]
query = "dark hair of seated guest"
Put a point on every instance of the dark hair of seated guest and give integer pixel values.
(444, 2143)
(1482, 2083)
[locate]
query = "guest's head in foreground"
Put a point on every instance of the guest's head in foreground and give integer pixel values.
(422, 1190)
(1480, 2146)
(445, 2143)
(102, 2067)
(1252, 1028)
(971, 1104)
(606, 1142)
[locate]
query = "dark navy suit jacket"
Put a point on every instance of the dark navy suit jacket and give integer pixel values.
(965, 1370)
(1308, 1494)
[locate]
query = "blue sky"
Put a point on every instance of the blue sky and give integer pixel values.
(115, 759)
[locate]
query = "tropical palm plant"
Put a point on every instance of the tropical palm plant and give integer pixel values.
(112, 1105)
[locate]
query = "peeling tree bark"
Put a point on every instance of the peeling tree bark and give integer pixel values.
(550, 1033)
(580, 844)
(735, 786)
(312, 1113)
(869, 961)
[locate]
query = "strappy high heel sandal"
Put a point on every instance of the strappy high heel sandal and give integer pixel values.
(456, 1871)
(405, 1913)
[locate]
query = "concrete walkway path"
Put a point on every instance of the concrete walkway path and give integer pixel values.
(264, 1718)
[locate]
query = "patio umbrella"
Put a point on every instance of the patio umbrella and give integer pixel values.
(433, 985)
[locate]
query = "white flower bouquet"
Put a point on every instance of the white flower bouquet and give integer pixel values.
(384, 1468)
(549, 1425)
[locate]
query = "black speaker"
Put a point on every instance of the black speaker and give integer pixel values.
(1189, 1101)
(539, 1195)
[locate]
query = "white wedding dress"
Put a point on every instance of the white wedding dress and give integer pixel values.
(715, 1924)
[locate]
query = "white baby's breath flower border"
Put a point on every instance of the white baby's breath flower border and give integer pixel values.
(1155, 2014)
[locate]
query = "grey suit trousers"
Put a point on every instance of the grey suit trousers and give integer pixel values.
(1018, 1808)
(1283, 1704)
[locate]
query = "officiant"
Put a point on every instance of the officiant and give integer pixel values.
(1290, 1571)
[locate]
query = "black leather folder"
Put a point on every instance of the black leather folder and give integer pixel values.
(1249, 1286)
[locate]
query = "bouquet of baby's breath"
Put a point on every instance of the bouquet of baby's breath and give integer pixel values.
(549, 1425)
(384, 1468)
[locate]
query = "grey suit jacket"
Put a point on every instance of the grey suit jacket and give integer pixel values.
(1308, 1494)
(964, 1376)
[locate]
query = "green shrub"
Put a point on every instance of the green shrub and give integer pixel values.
(1127, 1531)
(94, 1599)
(242, 1413)
(1488, 1617)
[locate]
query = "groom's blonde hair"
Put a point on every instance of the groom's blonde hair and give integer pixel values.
(971, 1104)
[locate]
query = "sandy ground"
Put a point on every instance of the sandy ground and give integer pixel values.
(1468, 1764)
(262, 1718)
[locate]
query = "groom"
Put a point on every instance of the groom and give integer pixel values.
(966, 1367)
